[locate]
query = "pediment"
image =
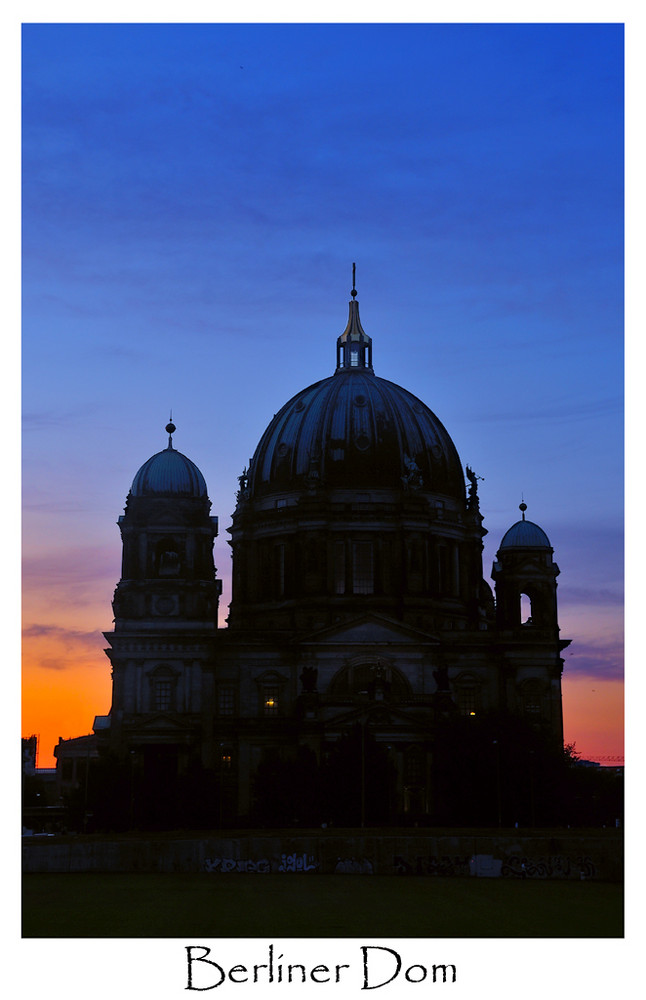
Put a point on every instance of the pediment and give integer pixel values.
(369, 629)
(381, 715)
(163, 722)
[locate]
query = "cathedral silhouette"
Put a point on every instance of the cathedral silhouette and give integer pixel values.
(363, 647)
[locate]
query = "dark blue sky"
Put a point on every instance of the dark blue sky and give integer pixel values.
(193, 199)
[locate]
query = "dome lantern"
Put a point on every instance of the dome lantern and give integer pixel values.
(354, 346)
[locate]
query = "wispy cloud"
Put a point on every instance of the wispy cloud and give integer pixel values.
(603, 660)
(589, 596)
(63, 418)
(53, 647)
(556, 413)
(71, 567)
(76, 636)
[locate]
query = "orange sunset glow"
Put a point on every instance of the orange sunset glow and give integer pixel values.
(66, 682)
(195, 200)
(66, 705)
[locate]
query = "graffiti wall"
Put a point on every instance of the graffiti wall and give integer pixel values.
(262, 866)
(414, 856)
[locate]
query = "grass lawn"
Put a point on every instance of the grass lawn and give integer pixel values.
(300, 906)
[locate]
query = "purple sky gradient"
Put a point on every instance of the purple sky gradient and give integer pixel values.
(194, 197)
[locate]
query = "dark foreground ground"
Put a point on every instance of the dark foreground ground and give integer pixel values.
(302, 906)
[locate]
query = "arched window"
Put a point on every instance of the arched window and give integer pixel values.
(526, 617)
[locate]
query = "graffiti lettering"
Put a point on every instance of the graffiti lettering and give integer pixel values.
(555, 866)
(297, 863)
(287, 863)
(552, 866)
(353, 866)
(431, 865)
(224, 865)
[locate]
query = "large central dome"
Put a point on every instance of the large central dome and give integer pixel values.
(356, 430)
(355, 502)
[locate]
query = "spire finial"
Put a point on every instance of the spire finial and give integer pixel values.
(354, 346)
(522, 507)
(170, 430)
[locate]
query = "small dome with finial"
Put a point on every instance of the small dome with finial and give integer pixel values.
(525, 534)
(169, 473)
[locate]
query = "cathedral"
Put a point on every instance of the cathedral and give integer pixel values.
(360, 627)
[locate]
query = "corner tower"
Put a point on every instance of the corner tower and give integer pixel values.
(527, 622)
(165, 615)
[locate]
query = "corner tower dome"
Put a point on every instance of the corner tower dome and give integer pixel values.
(169, 473)
(525, 535)
(355, 430)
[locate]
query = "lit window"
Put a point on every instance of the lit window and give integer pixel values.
(225, 761)
(354, 358)
(270, 702)
(467, 697)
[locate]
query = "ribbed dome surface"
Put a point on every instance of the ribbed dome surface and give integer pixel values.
(527, 535)
(355, 430)
(169, 473)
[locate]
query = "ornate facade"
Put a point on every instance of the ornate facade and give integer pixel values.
(360, 621)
